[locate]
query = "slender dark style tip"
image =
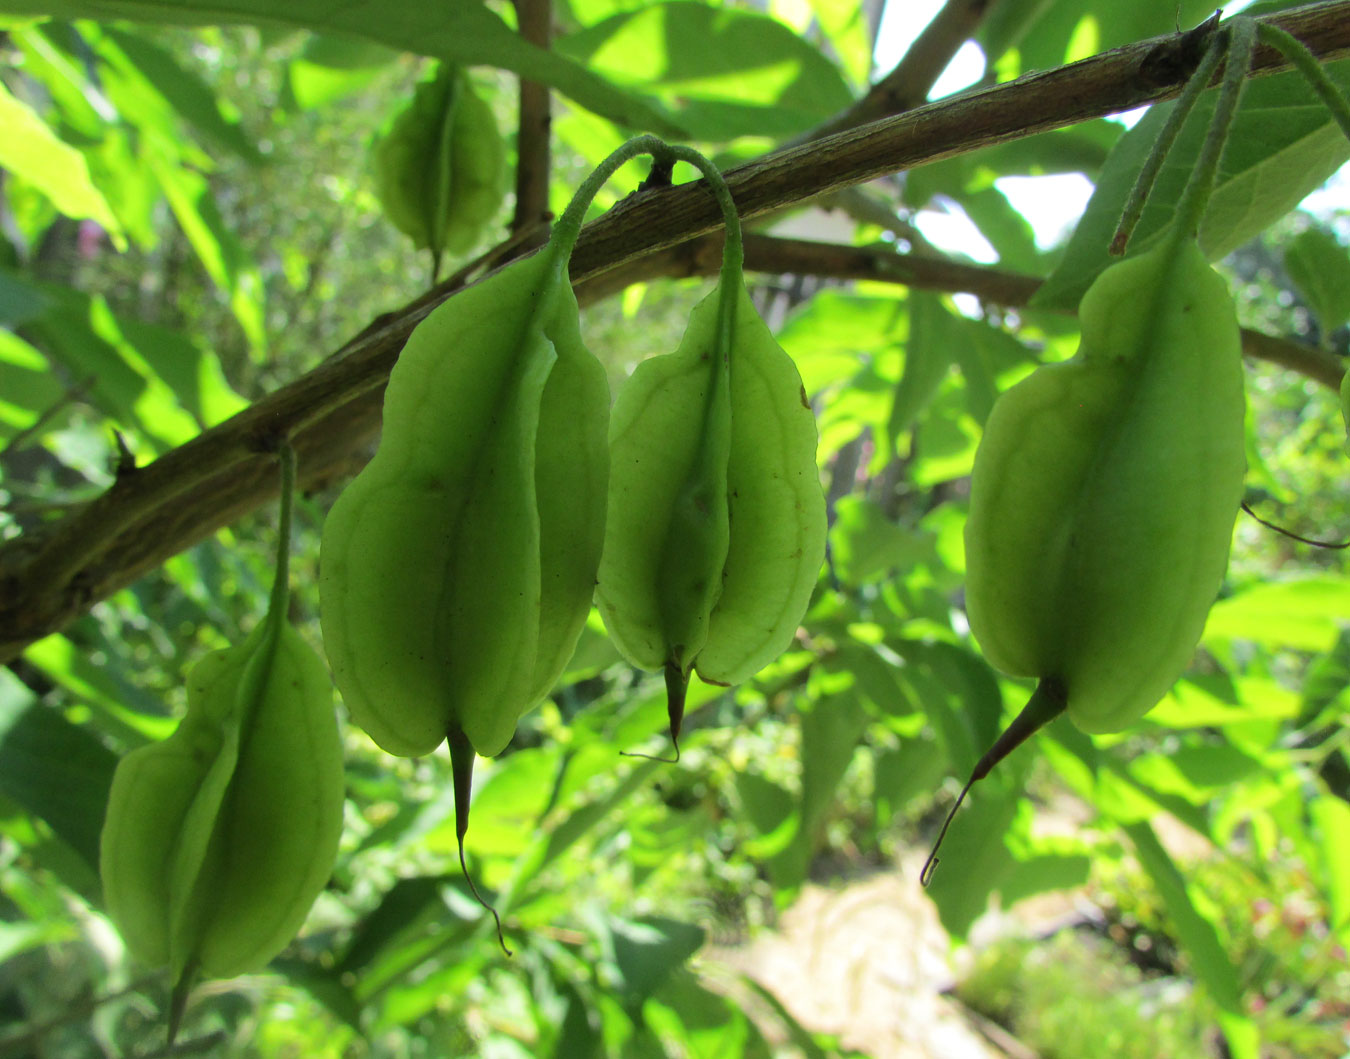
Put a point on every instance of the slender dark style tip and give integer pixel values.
(1047, 702)
(461, 771)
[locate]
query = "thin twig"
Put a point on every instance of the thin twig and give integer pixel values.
(909, 83)
(1333, 545)
(533, 166)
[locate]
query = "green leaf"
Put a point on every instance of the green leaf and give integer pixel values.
(183, 91)
(1047, 33)
(697, 1021)
(1326, 681)
(402, 906)
(975, 860)
(1305, 615)
(1210, 961)
(18, 938)
(899, 776)
(983, 352)
(846, 27)
(226, 260)
(462, 30)
(579, 1036)
(833, 332)
(831, 728)
(648, 949)
(82, 335)
(1320, 268)
(1043, 873)
(1283, 144)
(30, 151)
(770, 810)
(1195, 773)
(928, 357)
(56, 770)
(27, 388)
(964, 703)
(1331, 817)
(123, 708)
(324, 985)
(865, 545)
(82, 106)
(332, 68)
(20, 300)
(725, 72)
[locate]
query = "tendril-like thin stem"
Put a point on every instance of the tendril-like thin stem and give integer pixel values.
(1333, 545)
(568, 228)
(1241, 40)
(1167, 136)
(1306, 63)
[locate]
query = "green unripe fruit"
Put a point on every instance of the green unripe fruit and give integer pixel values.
(1103, 498)
(1105, 489)
(440, 168)
(716, 519)
(456, 570)
(218, 839)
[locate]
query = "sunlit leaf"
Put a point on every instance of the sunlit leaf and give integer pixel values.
(1332, 818)
(1209, 959)
(1283, 145)
(725, 72)
(1304, 614)
(332, 68)
(30, 151)
(462, 30)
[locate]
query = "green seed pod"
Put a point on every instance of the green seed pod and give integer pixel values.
(456, 570)
(218, 839)
(1105, 491)
(440, 167)
(1103, 498)
(715, 531)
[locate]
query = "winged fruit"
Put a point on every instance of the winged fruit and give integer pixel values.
(440, 167)
(456, 570)
(715, 531)
(217, 839)
(1103, 498)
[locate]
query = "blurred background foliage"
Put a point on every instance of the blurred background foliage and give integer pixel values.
(187, 220)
